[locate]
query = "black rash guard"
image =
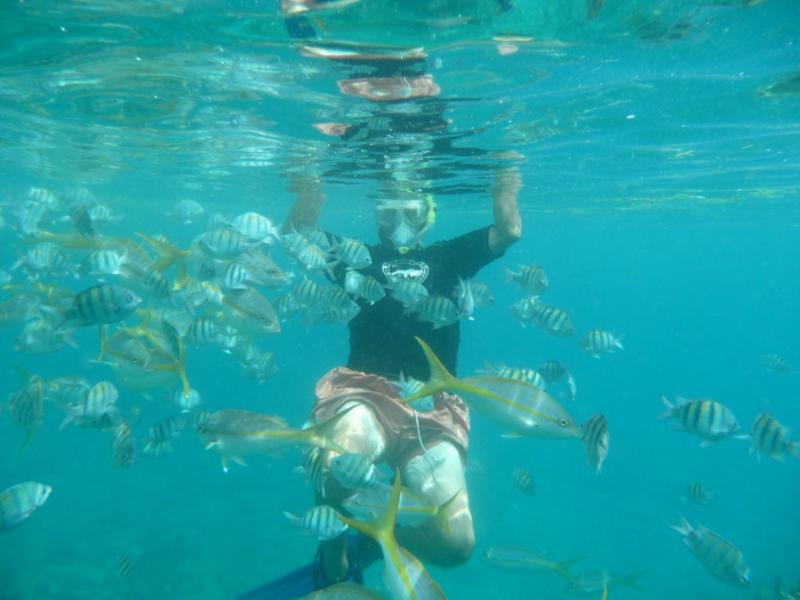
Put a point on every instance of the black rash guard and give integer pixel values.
(382, 335)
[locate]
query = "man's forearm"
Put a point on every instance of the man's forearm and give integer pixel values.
(507, 227)
(308, 202)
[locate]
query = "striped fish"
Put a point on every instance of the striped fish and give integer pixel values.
(256, 227)
(353, 470)
(438, 310)
(553, 320)
(520, 374)
(104, 262)
(707, 419)
(223, 243)
(123, 450)
(26, 406)
(124, 566)
(553, 371)
(101, 304)
(95, 408)
(532, 279)
(404, 576)
(481, 295)
(82, 220)
(322, 521)
(202, 331)
(697, 494)
(719, 556)
(776, 363)
(236, 277)
(353, 253)
(409, 293)
(314, 469)
(18, 502)
(768, 437)
(594, 434)
(597, 342)
(524, 481)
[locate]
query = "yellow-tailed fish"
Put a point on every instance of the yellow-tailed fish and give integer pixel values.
(513, 558)
(168, 254)
(234, 433)
(523, 408)
(404, 575)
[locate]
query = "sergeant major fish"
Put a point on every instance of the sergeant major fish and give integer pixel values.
(594, 434)
(719, 556)
(768, 437)
(597, 342)
(707, 419)
(19, 502)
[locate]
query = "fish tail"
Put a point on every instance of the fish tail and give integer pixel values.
(102, 331)
(28, 439)
(564, 567)
(793, 448)
(168, 254)
(321, 434)
(381, 528)
(631, 580)
(684, 527)
(440, 377)
(668, 409)
(23, 373)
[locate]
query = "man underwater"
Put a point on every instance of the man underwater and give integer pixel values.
(428, 448)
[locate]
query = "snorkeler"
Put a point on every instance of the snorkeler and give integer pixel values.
(428, 447)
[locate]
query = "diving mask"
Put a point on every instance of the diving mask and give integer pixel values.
(404, 222)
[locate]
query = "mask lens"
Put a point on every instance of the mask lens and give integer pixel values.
(415, 215)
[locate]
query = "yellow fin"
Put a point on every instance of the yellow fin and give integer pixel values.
(381, 529)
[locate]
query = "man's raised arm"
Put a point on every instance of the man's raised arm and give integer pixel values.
(507, 227)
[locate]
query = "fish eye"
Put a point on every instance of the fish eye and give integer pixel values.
(563, 422)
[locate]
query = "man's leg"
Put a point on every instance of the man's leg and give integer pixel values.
(438, 475)
(359, 432)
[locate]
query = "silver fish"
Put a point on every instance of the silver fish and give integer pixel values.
(19, 502)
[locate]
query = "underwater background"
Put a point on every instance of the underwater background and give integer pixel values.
(659, 148)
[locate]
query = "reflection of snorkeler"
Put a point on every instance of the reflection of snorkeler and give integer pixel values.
(387, 74)
(429, 448)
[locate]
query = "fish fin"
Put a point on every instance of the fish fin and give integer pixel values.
(320, 434)
(440, 377)
(381, 528)
(793, 448)
(212, 444)
(239, 461)
(168, 254)
(631, 580)
(67, 420)
(684, 527)
(563, 568)
(511, 435)
(293, 519)
(669, 408)
(508, 275)
(28, 439)
(23, 373)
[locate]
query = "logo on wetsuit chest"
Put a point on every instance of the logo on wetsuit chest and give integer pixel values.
(405, 269)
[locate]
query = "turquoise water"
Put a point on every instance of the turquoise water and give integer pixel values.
(658, 145)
